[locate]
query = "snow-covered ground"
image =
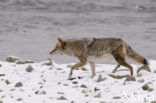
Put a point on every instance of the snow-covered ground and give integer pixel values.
(46, 82)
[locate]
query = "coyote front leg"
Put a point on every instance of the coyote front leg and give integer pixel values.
(75, 66)
(92, 68)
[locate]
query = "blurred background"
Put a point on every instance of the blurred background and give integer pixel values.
(29, 28)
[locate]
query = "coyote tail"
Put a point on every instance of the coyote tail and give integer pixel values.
(138, 58)
(135, 56)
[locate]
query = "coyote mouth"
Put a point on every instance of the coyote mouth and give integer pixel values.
(53, 51)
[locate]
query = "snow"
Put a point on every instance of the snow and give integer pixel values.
(47, 83)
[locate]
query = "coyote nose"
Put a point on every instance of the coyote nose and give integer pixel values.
(51, 52)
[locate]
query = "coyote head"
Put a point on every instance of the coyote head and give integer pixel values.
(59, 48)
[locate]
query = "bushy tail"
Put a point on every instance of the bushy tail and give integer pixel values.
(135, 56)
(138, 58)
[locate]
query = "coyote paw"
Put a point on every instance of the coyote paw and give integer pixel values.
(69, 78)
(114, 71)
(129, 78)
(92, 76)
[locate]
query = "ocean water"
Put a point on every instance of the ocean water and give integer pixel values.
(30, 29)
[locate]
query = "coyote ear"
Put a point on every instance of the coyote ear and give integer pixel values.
(62, 42)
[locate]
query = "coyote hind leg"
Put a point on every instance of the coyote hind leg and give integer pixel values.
(121, 60)
(115, 69)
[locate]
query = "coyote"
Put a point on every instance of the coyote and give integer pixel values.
(88, 50)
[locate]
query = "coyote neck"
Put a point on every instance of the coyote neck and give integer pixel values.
(75, 48)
